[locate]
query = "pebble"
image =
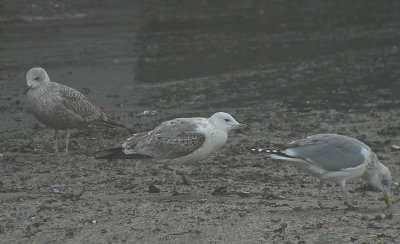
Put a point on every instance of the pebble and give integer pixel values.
(220, 191)
(244, 194)
(153, 189)
(148, 113)
(396, 147)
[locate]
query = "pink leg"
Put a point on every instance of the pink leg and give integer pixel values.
(174, 191)
(321, 205)
(56, 141)
(346, 197)
(67, 143)
(178, 172)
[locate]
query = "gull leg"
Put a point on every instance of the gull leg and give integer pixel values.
(179, 172)
(67, 143)
(184, 177)
(174, 191)
(56, 141)
(320, 203)
(346, 197)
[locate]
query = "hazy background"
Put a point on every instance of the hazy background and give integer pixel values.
(308, 54)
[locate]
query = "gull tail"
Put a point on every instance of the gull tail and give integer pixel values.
(276, 154)
(118, 153)
(112, 123)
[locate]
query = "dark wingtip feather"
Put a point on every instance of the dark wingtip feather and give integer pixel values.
(113, 123)
(107, 122)
(273, 151)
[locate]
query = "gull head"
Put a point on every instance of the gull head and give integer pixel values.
(224, 121)
(379, 176)
(35, 77)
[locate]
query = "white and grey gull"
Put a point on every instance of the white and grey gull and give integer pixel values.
(335, 158)
(177, 141)
(61, 107)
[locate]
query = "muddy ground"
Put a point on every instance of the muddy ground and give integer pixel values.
(286, 69)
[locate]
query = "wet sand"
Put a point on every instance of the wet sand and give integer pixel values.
(287, 70)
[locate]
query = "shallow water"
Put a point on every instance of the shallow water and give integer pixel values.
(339, 55)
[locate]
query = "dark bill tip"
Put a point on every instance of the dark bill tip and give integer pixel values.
(26, 89)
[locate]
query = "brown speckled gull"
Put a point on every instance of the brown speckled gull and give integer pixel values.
(59, 106)
(177, 141)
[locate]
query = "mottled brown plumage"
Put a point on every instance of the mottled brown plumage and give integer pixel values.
(170, 140)
(59, 106)
(177, 141)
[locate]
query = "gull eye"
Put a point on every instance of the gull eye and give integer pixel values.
(37, 78)
(227, 120)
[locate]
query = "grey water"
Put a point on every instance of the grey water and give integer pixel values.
(323, 54)
(306, 54)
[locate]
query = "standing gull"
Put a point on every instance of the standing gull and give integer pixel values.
(177, 141)
(335, 158)
(60, 107)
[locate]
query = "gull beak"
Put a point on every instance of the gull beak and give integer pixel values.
(26, 89)
(239, 127)
(386, 196)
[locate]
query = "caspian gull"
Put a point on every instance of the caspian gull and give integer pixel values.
(177, 141)
(59, 106)
(335, 158)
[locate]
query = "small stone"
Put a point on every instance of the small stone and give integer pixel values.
(148, 113)
(244, 194)
(220, 191)
(153, 189)
(353, 239)
(388, 216)
(395, 147)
